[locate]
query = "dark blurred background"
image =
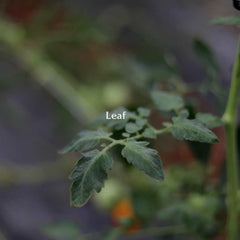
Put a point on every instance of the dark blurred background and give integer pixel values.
(63, 63)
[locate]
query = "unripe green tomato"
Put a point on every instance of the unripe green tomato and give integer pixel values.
(197, 201)
(116, 94)
(111, 193)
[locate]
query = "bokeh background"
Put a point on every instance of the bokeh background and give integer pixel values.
(62, 63)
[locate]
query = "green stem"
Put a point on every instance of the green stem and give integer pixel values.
(230, 119)
(158, 132)
(13, 175)
(2, 236)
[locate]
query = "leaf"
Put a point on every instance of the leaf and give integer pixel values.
(166, 101)
(144, 158)
(149, 133)
(209, 120)
(183, 114)
(62, 231)
(141, 122)
(143, 112)
(132, 128)
(206, 57)
(89, 175)
(192, 130)
(85, 140)
(232, 20)
(126, 135)
(117, 124)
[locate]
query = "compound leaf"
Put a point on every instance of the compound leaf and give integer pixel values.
(144, 158)
(192, 130)
(166, 101)
(89, 175)
(209, 120)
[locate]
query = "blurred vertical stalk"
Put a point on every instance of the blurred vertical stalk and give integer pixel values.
(44, 71)
(230, 119)
(2, 236)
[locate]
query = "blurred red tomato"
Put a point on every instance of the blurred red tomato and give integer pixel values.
(22, 11)
(123, 210)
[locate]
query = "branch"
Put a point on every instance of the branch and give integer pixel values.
(13, 175)
(230, 119)
(55, 80)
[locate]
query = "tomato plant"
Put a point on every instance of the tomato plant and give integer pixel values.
(92, 169)
(182, 196)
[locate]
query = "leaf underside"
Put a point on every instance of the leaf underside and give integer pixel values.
(85, 140)
(192, 130)
(209, 120)
(89, 174)
(144, 158)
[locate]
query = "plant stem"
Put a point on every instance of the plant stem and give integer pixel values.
(14, 175)
(2, 236)
(230, 119)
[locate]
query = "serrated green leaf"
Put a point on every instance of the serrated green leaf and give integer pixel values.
(192, 130)
(144, 112)
(132, 128)
(166, 101)
(141, 122)
(232, 20)
(89, 175)
(144, 158)
(117, 124)
(62, 231)
(126, 135)
(85, 140)
(149, 133)
(209, 120)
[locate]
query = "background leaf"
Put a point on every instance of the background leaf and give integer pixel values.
(144, 112)
(62, 231)
(144, 158)
(206, 57)
(166, 101)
